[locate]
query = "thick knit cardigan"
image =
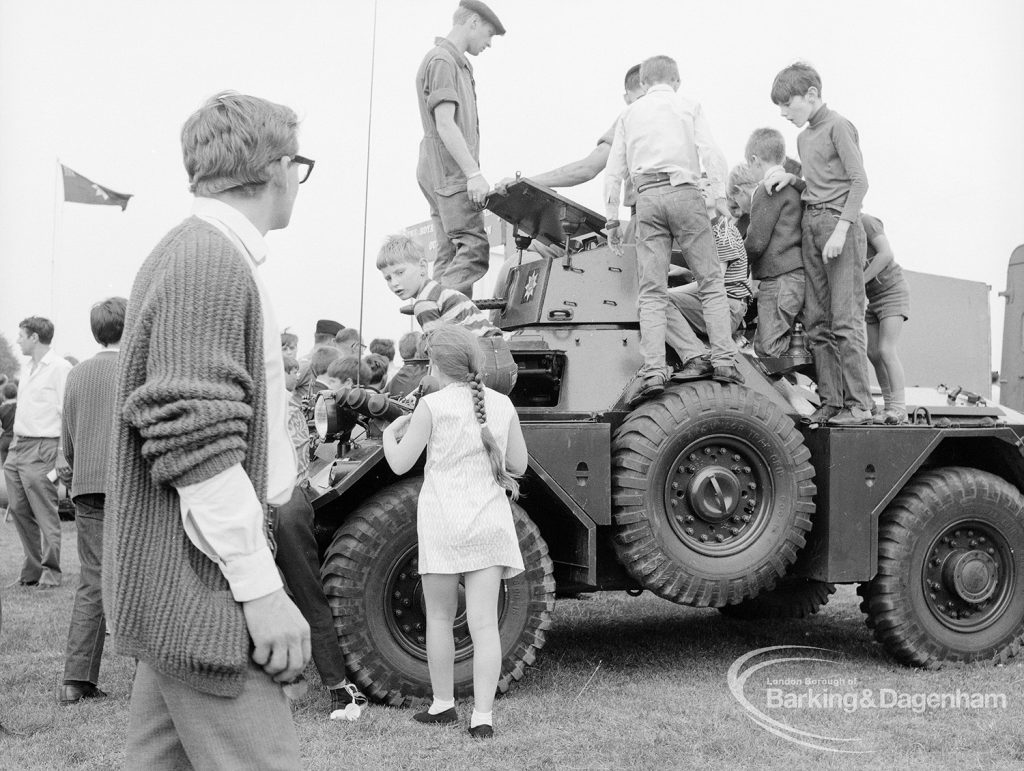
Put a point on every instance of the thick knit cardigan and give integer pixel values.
(191, 402)
(774, 232)
(85, 421)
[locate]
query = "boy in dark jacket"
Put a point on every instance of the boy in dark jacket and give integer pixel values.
(773, 246)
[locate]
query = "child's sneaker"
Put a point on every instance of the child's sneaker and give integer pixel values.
(347, 703)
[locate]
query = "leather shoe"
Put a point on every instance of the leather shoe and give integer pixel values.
(644, 386)
(853, 416)
(448, 716)
(697, 368)
(72, 694)
(482, 731)
(728, 374)
(822, 414)
(20, 584)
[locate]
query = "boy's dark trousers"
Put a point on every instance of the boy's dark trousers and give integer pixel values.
(296, 557)
(88, 624)
(834, 310)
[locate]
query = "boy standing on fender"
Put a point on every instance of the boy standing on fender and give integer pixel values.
(834, 245)
(661, 141)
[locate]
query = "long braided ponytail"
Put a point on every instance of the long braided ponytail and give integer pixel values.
(497, 460)
(456, 352)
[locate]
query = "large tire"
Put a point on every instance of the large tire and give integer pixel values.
(792, 597)
(712, 494)
(374, 591)
(950, 581)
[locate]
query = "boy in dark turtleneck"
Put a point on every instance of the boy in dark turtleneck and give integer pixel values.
(834, 245)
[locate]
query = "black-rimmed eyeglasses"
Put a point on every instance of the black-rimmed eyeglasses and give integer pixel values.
(306, 167)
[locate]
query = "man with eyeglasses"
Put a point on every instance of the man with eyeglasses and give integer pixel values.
(448, 170)
(201, 457)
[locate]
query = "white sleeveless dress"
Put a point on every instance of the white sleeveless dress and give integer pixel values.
(464, 520)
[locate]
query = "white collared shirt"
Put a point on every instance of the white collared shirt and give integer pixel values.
(222, 515)
(663, 132)
(41, 397)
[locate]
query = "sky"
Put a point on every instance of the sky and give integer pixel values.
(935, 90)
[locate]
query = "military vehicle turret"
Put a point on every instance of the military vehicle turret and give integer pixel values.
(710, 495)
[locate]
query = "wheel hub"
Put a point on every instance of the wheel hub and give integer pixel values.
(407, 610)
(972, 575)
(714, 493)
(718, 494)
(967, 576)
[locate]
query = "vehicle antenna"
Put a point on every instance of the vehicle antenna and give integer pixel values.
(366, 189)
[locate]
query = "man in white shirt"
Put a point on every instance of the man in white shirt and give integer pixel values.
(201, 458)
(661, 141)
(31, 463)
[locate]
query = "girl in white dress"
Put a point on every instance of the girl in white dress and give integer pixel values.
(475, 448)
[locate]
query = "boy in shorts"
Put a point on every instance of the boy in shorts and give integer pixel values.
(404, 268)
(834, 245)
(888, 296)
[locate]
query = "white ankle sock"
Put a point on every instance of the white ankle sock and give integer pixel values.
(438, 706)
(480, 718)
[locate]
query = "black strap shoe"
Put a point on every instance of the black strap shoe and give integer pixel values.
(482, 732)
(448, 716)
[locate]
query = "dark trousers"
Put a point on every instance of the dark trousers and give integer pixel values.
(297, 559)
(834, 311)
(88, 624)
(33, 502)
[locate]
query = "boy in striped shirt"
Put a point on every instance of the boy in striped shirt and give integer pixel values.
(404, 268)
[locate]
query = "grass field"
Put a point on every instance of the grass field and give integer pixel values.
(622, 683)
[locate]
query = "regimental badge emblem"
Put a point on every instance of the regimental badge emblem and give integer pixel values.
(530, 286)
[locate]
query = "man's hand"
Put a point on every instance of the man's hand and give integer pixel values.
(615, 240)
(777, 181)
(63, 469)
(836, 241)
(478, 189)
(502, 187)
(280, 635)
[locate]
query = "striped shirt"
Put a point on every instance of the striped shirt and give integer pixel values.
(729, 244)
(436, 304)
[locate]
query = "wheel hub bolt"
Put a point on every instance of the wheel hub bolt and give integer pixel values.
(692, 457)
(970, 534)
(707, 450)
(990, 550)
(690, 469)
(675, 485)
(932, 595)
(956, 533)
(751, 485)
(736, 457)
(689, 531)
(981, 539)
(689, 518)
(734, 530)
(973, 543)
(719, 537)
(703, 537)
(746, 469)
(398, 612)
(745, 517)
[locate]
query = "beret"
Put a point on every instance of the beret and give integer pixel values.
(484, 13)
(328, 327)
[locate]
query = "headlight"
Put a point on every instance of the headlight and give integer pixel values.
(325, 414)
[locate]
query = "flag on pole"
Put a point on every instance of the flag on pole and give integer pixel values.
(78, 189)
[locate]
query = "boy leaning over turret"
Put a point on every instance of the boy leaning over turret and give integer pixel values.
(834, 245)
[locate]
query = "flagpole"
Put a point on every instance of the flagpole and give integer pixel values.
(53, 250)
